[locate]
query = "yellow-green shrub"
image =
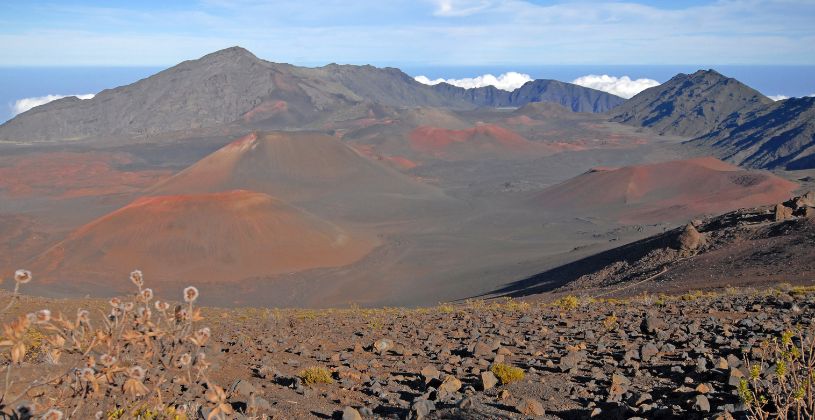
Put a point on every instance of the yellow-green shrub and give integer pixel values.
(316, 375)
(506, 373)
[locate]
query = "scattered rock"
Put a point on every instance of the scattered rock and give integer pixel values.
(242, 390)
(488, 380)
(701, 403)
(782, 213)
(383, 345)
(350, 413)
(619, 386)
(689, 239)
(530, 407)
(572, 360)
(651, 323)
(420, 409)
(648, 351)
(466, 403)
(449, 385)
(429, 373)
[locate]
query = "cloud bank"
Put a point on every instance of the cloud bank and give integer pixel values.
(23, 105)
(621, 86)
(782, 97)
(506, 81)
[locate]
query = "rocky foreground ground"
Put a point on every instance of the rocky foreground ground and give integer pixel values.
(649, 356)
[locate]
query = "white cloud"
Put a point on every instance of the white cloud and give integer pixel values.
(620, 86)
(426, 32)
(782, 97)
(459, 7)
(506, 81)
(23, 105)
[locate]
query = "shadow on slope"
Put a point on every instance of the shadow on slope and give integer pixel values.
(744, 247)
(560, 276)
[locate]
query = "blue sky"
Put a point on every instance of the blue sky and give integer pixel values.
(410, 32)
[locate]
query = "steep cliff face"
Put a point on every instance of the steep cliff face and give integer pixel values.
(778, 136)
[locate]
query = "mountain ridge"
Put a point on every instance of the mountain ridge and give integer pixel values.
(571, 96)
(222, 87)
(690, 105)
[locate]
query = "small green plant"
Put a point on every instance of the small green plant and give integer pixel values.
(316, 375)
(308, 314)
(116, 414)
(781, 383)
(376, 324)
(446, 308)
(567, 303)
(506, 373)
(610, 322)
(692, 295)
(512, 305)
(802, 290)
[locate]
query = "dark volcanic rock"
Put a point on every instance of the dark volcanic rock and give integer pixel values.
(777, 135)
(572, 360)
(651, 323)
(570, 96)
(691, 377)
(690, 105)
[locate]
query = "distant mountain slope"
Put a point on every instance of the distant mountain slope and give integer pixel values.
(219, 88)
(690, 105)
(233, 85)
(780, 135)
(574, 97)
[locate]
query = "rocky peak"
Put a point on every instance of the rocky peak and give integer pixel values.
(231, 54)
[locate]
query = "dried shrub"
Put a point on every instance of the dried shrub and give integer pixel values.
(137, 360)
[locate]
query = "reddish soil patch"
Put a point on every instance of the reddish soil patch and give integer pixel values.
(70, 174)
(436, 140)
(483, 139)
(399, 162)
(402, 162)
(221, 237)
(265, 110)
